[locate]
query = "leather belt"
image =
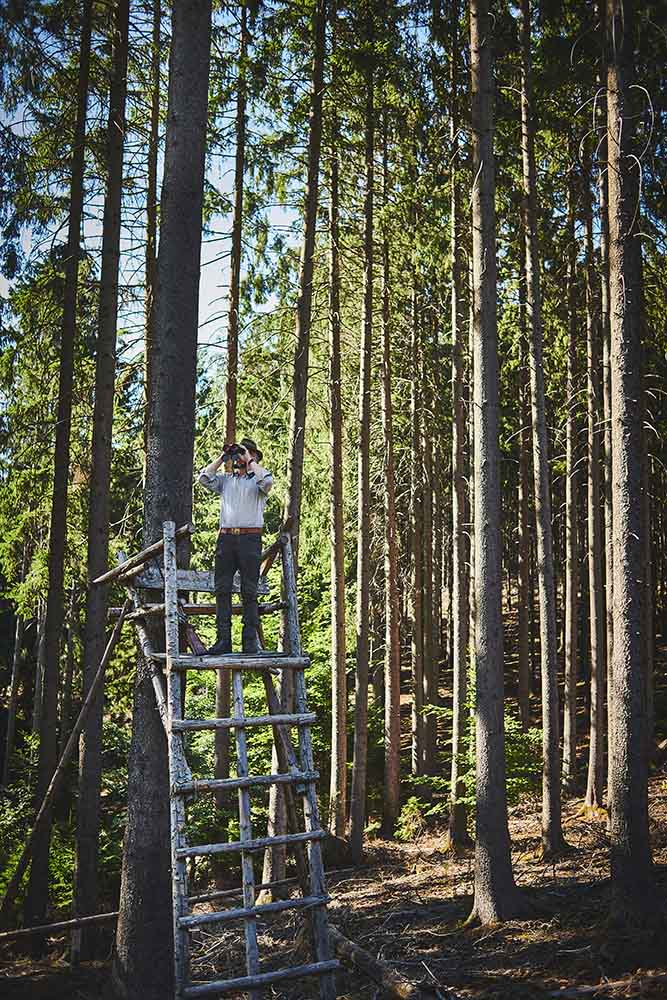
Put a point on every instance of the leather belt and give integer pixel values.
(241, 531)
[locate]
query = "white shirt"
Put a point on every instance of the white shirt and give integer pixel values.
(242, 498)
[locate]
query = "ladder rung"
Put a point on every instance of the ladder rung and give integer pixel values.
(250, 845)
(262, 979)
(208, 897)
(242, 913)
(228, 784)
(194, 725)
(236, 661)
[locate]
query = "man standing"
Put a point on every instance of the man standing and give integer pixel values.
(243, 494)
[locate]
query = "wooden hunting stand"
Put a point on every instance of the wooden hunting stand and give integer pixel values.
(296, 773)
(155, 569)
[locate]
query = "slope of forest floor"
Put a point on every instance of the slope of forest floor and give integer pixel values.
(407, 905)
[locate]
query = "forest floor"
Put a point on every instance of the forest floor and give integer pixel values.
(407, 906)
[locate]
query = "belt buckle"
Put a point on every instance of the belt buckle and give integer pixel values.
(236, 531)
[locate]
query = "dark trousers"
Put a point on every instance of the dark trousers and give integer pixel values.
(242, 553)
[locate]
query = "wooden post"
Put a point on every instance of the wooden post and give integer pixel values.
(321, 942)
(175, 683)
(245, 834)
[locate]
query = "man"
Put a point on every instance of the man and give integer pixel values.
(243, 494)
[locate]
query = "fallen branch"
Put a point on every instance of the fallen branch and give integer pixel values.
(359, 960)
(62, 925)
(636, 982)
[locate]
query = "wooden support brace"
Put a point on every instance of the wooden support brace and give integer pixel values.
(141, 557)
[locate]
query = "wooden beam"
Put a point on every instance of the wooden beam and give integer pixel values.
(194, 610)
(62, 925)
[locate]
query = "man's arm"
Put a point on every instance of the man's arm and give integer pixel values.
(209, 477)
(263, 477)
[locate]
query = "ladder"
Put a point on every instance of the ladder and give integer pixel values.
(296, 774)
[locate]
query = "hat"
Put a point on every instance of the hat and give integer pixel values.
(252, 446)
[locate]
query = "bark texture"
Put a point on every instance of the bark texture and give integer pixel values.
(90, 747)
(417, 535)
(305, 298)
(458, 832)
(392, 655)
(596, 761)
(496, 896)
(552, 834)
(142, 967)
(571, 504)
(151, 214)
(338, 786)
(360, 759)
(524, 594)
(632, 894)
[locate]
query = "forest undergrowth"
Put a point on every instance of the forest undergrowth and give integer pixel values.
(407, 905)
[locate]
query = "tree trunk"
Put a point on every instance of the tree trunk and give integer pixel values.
(430, 666)
(524, 597)
(68, 680)
(222, 680)
(571, 504)
(649, 597)
(603, 198)
(338, 787)
(472, 598)
(458, 828)
(552, 834)
(274, 860)
(151, 216)
(143, 960)
(596, 769)
(38, 887)
(359, 764)
(86, 898)
(40, 663)
(632, 885)
(416, 526)
(237, 228)
(304, 302)
(13, 700)
(496, 896)
(392, 654)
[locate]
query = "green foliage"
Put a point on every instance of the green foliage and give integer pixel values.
(411, 823)
(523, 754)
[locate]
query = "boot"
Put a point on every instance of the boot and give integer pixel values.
(250, 640)
(221, 646)
(223, 643)
(223, 625)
